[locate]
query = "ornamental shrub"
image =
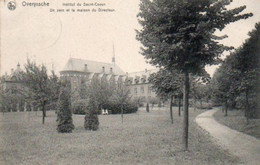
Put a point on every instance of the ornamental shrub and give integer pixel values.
(64, 115)
(91, 117)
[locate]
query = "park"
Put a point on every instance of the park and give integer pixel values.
(199, 103)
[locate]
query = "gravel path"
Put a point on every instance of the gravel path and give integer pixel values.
(244, 146)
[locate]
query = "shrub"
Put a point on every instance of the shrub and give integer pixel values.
(204, 105)
(115, 108)
(64, 115)
(80, 106)
(91, 117)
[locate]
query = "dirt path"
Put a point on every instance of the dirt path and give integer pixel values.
(244, 146)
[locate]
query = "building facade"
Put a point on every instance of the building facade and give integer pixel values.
(12, 91)
(139, 85)
(79, 71)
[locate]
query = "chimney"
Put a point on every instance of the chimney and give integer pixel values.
(12, 70)
(103, 69)
(145, 70)
(111, 70)
(86, 68)
(18, 66)
(127, 73)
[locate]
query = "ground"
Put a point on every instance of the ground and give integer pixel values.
(236, 120)
(144, 138)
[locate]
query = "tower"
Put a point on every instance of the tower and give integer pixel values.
(114, 58)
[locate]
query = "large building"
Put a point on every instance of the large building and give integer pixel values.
(79, 71)
(12, 88)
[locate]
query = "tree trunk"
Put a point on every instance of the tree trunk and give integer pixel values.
(171, 110)
(247, 108)
(43, 113)
(200, 103)
(179, 105)
(186, 110)
(194, 104)
(122, 114)
(226, 108)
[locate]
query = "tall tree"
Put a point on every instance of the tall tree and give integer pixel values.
(38, 83)
(179, 35)
(64, 115)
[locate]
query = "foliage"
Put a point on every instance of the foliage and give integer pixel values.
(91, 117)
(166, 83)
(115, 108)
(112, 96)
(179, 35)
(139, 101)
(236, 81)
(39, 85)
(80, 106)
(64, 115)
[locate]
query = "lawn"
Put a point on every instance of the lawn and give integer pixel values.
(144, 138)
(237, 121)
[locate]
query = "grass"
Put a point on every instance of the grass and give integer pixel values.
(144, 138)
(236, 120)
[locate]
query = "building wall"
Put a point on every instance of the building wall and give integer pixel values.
(142, 90)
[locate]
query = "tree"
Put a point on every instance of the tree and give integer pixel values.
(91, 117)
(237, 78)
(179, 35)
(167, 84)
(121, 96)
(38, 83)
(64, 114)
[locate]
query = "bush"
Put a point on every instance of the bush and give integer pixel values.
(91, 117)
(64, 115)
(204, 105)
(80, 106)
(115, 108)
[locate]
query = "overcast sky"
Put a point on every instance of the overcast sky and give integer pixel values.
(52, 38)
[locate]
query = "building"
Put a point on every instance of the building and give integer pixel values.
(79, 71)
(139, 85)
(12, 88)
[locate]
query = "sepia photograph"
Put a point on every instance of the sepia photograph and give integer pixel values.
(126, 82)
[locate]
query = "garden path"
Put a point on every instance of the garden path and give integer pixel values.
(244, 146)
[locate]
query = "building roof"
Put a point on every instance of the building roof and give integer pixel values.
(78, 65)
(16, 75)
(142, 73)
(140, 77)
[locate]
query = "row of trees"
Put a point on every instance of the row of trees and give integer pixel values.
(236, 82)
(180, 35)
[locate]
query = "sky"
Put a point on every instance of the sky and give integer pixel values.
(51, 38)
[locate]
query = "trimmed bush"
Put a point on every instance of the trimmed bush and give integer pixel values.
(91, 117)
(64, 115)
(115, 108)
(80, 106)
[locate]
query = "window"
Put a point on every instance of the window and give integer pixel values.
(135, 89)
